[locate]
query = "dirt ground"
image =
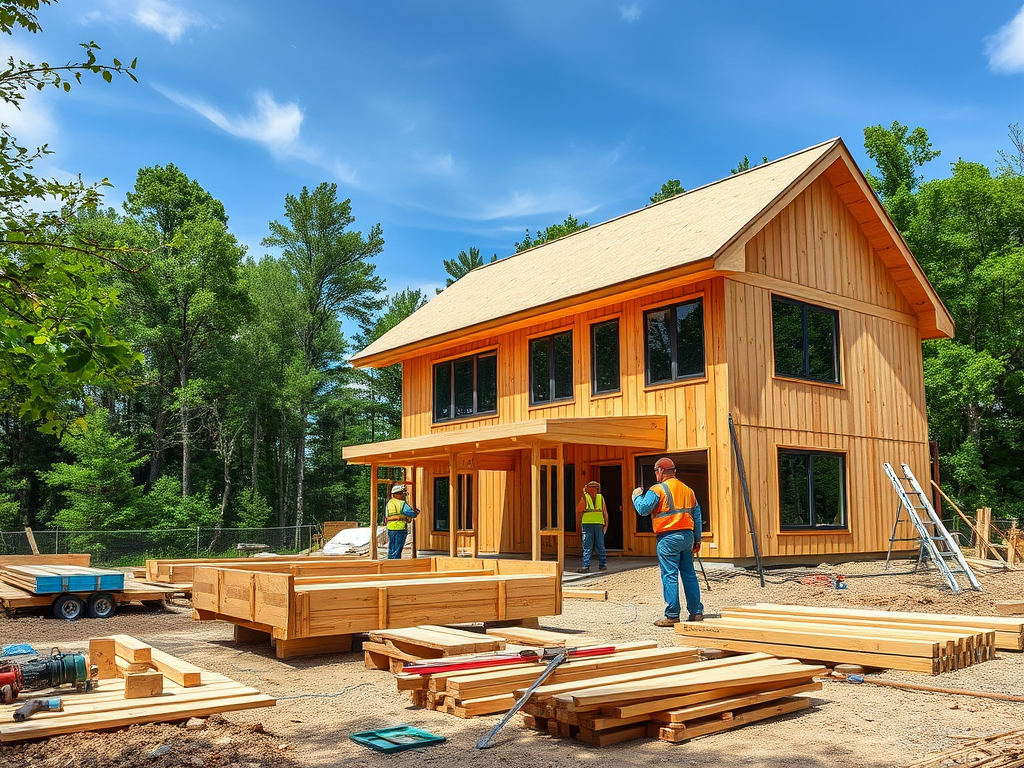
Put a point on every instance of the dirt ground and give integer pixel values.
(322, 700)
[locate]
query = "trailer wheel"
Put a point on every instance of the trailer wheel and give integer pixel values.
(102, 605)
(68, 607)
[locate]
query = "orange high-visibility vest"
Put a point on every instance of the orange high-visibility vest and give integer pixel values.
(675, 512)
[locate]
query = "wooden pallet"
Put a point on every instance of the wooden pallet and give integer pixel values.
(137, 684)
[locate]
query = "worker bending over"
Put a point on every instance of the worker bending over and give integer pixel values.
(398, 516)
(677, 523)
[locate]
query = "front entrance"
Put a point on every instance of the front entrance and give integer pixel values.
(610, 477)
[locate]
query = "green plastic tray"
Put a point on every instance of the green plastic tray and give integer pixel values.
(396, 739)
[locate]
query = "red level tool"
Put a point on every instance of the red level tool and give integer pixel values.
(434, 666)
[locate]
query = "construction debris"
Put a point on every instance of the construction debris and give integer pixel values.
(1002, 750)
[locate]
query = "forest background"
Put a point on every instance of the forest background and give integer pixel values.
(155, 375)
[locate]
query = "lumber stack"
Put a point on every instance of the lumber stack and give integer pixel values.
(915, 642)
(54, 579)
(390, 649)
(137, 684)
(673, 703)
(487, 691)
(302, 607)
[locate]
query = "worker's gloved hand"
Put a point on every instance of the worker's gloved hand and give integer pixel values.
(696, 548)
(638, 492)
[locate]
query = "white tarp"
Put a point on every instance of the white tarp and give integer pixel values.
(355, 541)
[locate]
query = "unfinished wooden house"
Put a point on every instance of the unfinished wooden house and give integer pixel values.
(783, 296)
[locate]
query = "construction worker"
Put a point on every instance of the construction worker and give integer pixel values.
(398, 516)
(677, 523)
(595, 525)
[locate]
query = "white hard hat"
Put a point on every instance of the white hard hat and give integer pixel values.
(398, 489)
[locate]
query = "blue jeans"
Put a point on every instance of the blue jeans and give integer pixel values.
(396, 541)
(675, 556)
(593, 538)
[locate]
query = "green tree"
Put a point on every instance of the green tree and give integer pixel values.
(670, 188)
(335, 274)
(744, 164)
(54, 308)
(553, 232)
(463, 264)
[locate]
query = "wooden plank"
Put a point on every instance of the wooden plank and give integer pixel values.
(693, 730)
(1016, 606)
(585, 594)
(76, 560)
(180, 671)
(102, 654)
(124, 667)
(312, 646)
(142, 685)
(32, 540)
(697, 711)
(132, 650)
(538, 637)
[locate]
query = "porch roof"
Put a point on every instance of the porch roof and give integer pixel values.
(633, 431)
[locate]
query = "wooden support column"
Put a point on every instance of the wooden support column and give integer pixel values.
(453, 506)
(472, 497)
(560, 501)
(984, 531)
(411, 482)
(535, 500)
(373, 510)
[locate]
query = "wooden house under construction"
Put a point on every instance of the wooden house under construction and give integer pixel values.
(782, 296)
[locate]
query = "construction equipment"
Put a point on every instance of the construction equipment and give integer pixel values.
(30, 707)
(41, 673)
(560, 655)
(936, 542)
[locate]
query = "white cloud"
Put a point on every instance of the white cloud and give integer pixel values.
(1006, 47)
(33, 125)
(275, 126)
(165, 19)
(630, 13)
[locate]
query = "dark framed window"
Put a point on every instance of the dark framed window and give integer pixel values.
(466, 387)
(464, 505)
(812, 490)
(569, 497)
(604, 357)
(691, 469)
(548, 497)
(551, 368)
(674, 342)
(442, 510)
(806, 340)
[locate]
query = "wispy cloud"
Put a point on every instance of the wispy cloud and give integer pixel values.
(165, 19)
(275, 126)
(631, 13)
(1006, 47)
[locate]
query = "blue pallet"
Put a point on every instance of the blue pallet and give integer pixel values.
(52, 580)
(396, 739)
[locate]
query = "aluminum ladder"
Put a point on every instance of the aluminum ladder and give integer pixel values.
(936, 541)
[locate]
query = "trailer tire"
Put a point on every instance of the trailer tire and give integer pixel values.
(102, 605)
(68, 607)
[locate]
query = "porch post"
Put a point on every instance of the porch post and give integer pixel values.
(560, 501)
(373, 510)
(411, 479)
(535, 500)
(453, 514)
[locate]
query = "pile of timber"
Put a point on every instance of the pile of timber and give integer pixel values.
(390, 649)
(677, 702)
(1001, 750)
(915, 642)
(179, 571)
(316, 607)
(137, 684)
(55, 579)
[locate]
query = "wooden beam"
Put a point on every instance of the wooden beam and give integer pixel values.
(131, 649)
(31, 540)
(535, 501)
(453, 505)
(373, 511)
(102, 654)
(178, 670)
(560, 502)
(142, 685)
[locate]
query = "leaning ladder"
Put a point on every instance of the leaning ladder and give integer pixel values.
(935, 540)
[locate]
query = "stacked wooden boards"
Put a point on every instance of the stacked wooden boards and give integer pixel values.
(916, 642)
(14, 598)
(54, 579)
(673, 703)
(391, 648)
(137, 684)
(311, 608)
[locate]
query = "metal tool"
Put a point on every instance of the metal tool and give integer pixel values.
(41, 673)
(30, 707)
(488, 741)
(705, 573)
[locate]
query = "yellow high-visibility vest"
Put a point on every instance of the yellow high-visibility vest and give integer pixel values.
(595, 509)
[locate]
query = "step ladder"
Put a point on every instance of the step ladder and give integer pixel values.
(936, 542)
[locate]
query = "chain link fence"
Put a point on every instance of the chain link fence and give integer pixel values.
(132, 548)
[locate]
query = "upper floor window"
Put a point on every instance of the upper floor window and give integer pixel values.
(806, 340)
(812, 490)
(674, 343)
(551, 368)
(466, 387)
(604, 357)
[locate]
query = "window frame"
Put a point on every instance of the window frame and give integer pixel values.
(811, 528)
(673, 343)
(450, 364)
(837, 344)
(550, 339)
(594, 392)
(447, 507)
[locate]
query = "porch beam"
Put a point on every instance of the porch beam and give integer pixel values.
(373, 511)
(535, 500)
(453, 507)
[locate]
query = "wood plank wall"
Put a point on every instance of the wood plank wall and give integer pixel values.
(814, 251)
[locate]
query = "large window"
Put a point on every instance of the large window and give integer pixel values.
(604, 356)
(674, 343)
(551, 368)
(466, 387)
(569, 497)
(806, 340)
(812, 490)
(442, 510)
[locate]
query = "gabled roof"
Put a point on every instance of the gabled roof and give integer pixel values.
(703, 229)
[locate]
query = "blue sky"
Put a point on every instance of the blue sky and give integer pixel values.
(458, 124)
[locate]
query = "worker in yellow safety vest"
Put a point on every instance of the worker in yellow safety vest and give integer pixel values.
(595, 525)
(398, 513)
(677, 524)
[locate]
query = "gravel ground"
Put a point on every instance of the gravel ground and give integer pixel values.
(323, 699)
